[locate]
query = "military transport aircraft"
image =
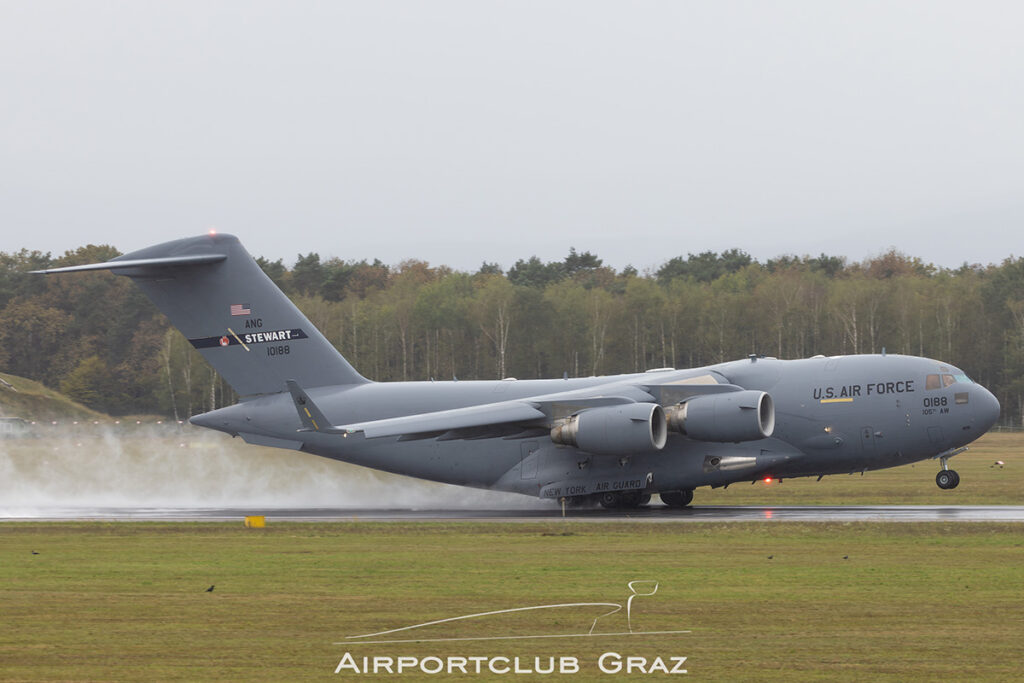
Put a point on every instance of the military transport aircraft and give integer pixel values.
(615, 440)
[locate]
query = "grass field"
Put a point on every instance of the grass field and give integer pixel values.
(127, 601)
(20, 397)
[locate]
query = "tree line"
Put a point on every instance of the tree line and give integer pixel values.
(95, 337)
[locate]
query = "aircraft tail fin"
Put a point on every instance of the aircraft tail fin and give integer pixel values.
(233, 314)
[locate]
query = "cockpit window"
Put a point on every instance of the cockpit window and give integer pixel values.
(945, 380)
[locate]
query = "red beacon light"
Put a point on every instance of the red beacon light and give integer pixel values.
(213, 232)
(768, 480)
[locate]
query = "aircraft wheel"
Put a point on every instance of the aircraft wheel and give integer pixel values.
(956, 479)
(677, 499)
(671, 498)
(633, 499)
(610, 500)
(947, 479)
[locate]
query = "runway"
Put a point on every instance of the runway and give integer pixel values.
(658, 514)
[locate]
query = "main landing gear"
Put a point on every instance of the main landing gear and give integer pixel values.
(629, 500)
(677, 499)
(618, 500)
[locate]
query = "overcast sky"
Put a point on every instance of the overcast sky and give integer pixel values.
(462, 132)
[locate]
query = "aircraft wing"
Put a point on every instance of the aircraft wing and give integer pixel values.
(490, 414)
(485, 420)
(447, 420)
(460, 422)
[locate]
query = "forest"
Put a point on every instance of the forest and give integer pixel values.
(97, 339)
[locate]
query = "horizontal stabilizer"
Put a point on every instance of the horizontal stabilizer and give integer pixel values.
(166, 262)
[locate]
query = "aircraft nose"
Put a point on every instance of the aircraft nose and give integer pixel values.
(986, 408)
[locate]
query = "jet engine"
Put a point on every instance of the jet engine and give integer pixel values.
(732, 417)
(614, 430)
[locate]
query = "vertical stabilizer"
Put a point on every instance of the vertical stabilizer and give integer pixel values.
(217, 295)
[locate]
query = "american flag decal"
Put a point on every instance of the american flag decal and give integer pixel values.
(240, 309)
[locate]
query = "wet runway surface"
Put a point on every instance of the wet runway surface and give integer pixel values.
(697, 513)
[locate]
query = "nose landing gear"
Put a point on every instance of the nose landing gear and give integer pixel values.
(947, 479)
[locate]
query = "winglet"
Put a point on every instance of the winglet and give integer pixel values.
(312, 419)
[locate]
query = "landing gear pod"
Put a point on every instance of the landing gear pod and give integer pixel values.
(733, 417)
(614, 430)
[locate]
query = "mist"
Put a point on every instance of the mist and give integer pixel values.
(66, 468)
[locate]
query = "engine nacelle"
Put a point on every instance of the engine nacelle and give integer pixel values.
(731, 417)
(614, 430)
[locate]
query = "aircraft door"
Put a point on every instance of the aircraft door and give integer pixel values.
(529, 457)
(867, 440)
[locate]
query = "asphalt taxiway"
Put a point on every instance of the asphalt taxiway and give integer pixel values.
(657, 513)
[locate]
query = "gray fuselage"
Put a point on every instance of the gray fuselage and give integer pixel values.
(833, 415)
